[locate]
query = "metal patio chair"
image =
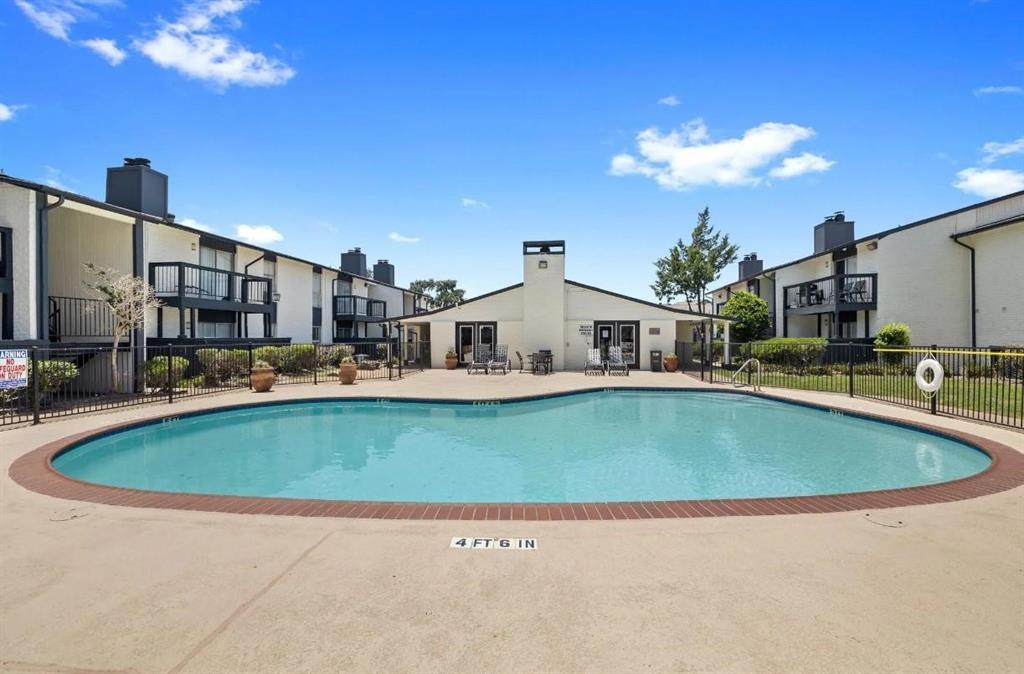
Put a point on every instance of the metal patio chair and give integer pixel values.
(500, 360)
(616, 363)
(481, 359)
(594, 362)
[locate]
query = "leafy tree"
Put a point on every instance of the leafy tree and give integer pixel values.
(129, 298)
(689, 268)
(750, 314)
(442, 293)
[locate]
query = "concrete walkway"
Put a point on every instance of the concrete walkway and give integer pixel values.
(86, 587)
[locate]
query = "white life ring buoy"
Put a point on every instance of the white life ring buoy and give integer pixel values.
(937, 374)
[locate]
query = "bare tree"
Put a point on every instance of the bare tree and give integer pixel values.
(129, 298)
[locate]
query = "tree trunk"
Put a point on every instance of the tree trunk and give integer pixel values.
(113, 363)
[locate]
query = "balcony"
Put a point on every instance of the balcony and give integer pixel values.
(357, 308)
(183, 284)
(840, 292)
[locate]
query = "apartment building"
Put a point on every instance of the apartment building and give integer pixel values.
(955, 278)
(212, 288)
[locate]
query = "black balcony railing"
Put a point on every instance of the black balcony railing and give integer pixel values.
(832, 293)
(183, 279)
(79, 317)
(359, 307)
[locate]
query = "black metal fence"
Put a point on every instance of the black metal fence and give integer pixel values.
(73, 380)
(981, 384)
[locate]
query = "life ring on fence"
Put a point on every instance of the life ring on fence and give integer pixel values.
(937, 374)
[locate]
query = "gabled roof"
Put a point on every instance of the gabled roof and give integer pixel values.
(885, 233)
(572, 283)
(146, 217)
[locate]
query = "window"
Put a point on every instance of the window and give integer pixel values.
(317, 290)
(207, 330)
(216, 259)
(754, 286)
(316, 333)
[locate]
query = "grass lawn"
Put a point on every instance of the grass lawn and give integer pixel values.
(989, 397)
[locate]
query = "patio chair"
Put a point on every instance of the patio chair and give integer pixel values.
(594, 362)
(522, 361)
(855, 292)
(500, 360)
(615, 361)
(481, 359)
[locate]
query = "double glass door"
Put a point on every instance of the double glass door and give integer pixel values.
(625, 334)
(469, 335)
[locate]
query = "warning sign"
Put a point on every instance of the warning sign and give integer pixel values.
(13, 368)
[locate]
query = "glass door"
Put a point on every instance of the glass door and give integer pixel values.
(605, 337)
(627, 340)
(467, 338)
(485, 334)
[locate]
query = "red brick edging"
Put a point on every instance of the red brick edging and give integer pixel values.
(35, 471)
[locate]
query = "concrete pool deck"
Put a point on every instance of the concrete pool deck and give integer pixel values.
(92, 587)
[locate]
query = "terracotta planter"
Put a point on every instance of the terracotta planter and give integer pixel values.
(347, 373)
(671, 363)
(451, 363)
(262, 379)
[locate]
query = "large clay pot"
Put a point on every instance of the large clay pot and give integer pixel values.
(671, 363)
(347, 373)
(262, 379)
(451, 363)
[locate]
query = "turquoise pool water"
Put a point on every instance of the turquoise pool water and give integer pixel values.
(603, 446)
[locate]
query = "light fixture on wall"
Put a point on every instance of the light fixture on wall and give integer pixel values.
(873, 245)
(193, 245)
(542, 264)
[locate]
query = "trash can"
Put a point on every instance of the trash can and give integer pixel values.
(655, 360)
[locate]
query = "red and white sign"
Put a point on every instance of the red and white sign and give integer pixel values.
(13, 368)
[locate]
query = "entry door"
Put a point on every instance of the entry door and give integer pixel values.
(467, 342)
(619, 333)
(627, 340)
(605, 337)
(468, 335)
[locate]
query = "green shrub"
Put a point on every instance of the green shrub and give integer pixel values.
(222, 365)
(751, 315)
(333, 355)
(1010, 366)
(53, 374)
(798, 353)
(156, 372)
(271, 354)
(892, 335)
(298, 358)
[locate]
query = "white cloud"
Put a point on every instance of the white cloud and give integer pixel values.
(53, 18)
(686, 157)
(801, 164)
(1009, 89)
(475, 203)
(56, 18)
(54, 178)
(989, 183)
(994, 151)
(195, 224)
(670, 101)
(196, 46)
(401, 238)
(107, 49)
(7, 112)
(261, 235)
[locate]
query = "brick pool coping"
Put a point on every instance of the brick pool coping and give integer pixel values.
(34, 471)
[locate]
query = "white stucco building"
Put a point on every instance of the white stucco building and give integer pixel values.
(213, 288)
(956, 279)
(549, 312)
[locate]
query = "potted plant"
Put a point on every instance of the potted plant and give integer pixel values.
(451, 359)
(261, 376)
(347, 370)
(671, 362)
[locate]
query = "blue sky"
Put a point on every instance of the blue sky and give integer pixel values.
(465, 128)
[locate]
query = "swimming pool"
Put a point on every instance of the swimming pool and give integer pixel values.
(598, 446)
